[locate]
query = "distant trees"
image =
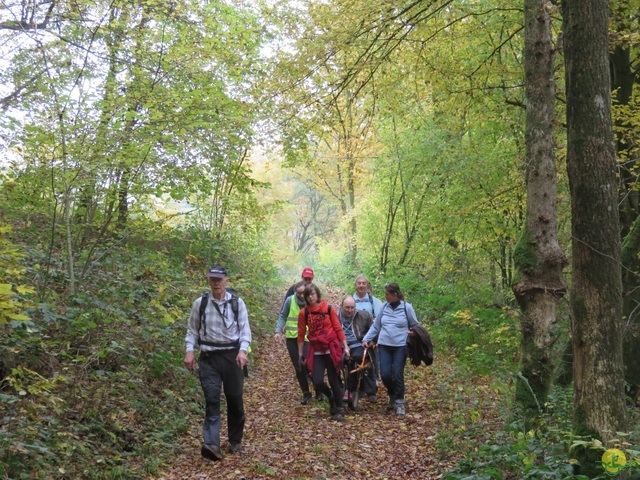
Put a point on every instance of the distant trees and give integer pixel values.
(315, 218)
(624, 55)
(395, 117)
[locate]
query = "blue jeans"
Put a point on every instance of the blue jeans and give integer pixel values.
(392, 362)
(219, 370)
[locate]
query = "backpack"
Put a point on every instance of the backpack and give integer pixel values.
(370, 300)
(234, 308)
(306, 314)
(373, 306)
(203, 306)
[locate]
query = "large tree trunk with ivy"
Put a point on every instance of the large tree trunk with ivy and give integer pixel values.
(596, 292)
(538, 255)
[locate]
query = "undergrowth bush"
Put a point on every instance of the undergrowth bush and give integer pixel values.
(93, 384)
(541, 453)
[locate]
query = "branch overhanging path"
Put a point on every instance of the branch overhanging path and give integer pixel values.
(286, 440)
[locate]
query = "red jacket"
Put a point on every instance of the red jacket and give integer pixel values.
(324, 331)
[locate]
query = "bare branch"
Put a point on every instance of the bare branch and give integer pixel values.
(26, 24)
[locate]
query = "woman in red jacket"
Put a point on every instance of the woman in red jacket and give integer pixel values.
(327, 342)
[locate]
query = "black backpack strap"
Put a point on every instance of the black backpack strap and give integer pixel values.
(203, 317)
(234, 302)
(373, 307)
(404, 304)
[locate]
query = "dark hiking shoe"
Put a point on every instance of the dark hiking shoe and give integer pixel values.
(333, 406)
(338, 416)
(306, 398)
(400, 409)
(391, 407)
(211, 452)
(235, 448)
(320, 397)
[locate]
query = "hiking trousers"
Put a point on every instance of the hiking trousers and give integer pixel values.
(219, 370)
(323, 363)
(302, 374)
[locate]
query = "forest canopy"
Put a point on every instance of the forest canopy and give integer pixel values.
(442, 145)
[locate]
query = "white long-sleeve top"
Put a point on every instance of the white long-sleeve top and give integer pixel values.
(222, 329)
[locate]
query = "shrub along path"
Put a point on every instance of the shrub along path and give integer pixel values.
(448, 416)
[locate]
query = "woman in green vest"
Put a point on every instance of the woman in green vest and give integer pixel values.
(288, 326)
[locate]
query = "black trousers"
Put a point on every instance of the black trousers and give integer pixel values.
(302, 375)
(369, 381)
(321, 364)
(219, 370)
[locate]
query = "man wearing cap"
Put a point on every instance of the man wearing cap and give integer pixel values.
(307, 277)
(223, 338)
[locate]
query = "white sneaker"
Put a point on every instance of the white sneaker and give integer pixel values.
(400, 409)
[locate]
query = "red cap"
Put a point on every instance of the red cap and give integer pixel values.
(307, 273)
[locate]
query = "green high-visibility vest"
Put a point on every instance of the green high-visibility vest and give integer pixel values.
(291, 325)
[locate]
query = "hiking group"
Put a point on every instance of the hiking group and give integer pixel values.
(319, 340)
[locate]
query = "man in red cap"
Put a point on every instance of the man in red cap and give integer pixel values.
(307, 278)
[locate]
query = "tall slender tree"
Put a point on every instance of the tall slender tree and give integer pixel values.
(538, 255)
(596, 290)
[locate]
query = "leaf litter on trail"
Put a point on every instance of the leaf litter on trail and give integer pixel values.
(284, 439)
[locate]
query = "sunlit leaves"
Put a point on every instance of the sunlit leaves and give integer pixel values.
(12, 296)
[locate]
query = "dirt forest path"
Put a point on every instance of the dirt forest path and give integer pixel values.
(286, 440)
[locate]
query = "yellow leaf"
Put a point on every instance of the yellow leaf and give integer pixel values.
(23, 289)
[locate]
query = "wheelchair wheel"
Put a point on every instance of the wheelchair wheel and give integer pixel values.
(354, 400)
(345, 383)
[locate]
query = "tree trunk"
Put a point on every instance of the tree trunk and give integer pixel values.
(123, 199)
(538, 255)
(350, 143)
(596, 292)
(622, 82)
